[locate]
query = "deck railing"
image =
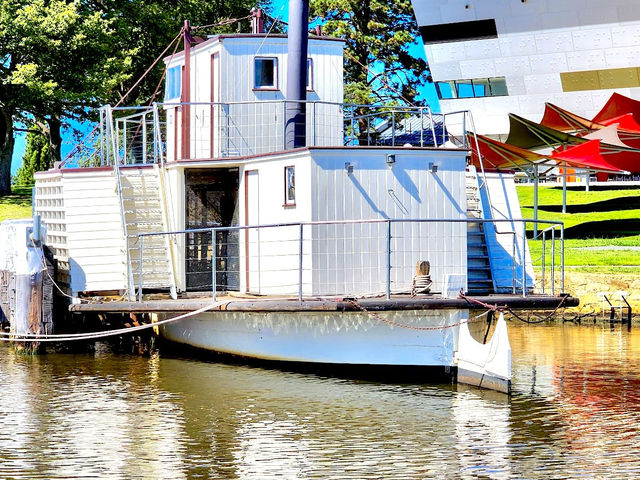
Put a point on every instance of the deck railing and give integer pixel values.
(354, 258)
(153, 134)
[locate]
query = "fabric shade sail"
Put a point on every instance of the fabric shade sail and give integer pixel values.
(527, 134)
(616, 106)
(563, 120)
(502, 156)
(532, 135)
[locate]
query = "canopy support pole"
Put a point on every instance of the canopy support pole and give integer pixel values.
(587, 188)
(564, 189)
(535, 201)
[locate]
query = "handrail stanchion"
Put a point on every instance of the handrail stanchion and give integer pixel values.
(544, 245)
(140, 273)
(300, 252)
(214, 251)
(514, 271)
(562, 257)
(388, 259)
(523, 259)
(553, 260)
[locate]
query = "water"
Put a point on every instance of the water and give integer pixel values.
(574, 414)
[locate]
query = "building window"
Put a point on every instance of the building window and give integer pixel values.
(474, 88)
(173, 83)
(265, 73)
(289, 186)
(309, 74)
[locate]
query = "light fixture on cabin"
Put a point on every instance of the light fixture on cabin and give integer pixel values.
(348, 166)
(391, 159)
(433, 167)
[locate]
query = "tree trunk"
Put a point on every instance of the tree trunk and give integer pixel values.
(55, 138)
(6, 150)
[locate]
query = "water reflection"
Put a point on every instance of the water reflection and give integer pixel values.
(574, 413)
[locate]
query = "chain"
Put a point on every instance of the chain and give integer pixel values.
(380, 318)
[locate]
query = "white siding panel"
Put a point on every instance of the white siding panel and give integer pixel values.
(90, 223)
(409, 191)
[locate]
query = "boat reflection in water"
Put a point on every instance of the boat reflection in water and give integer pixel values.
(574, 413)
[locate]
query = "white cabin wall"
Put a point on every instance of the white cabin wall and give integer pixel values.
(95, 238)
(352, 258)
(274, 252)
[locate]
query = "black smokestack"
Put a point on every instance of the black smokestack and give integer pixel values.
(297, 74)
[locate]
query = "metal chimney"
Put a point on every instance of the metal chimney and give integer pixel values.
(295, 129)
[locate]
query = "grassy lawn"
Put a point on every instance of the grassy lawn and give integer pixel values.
(602, 241)
(17, 205)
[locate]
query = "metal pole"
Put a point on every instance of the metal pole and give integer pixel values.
(464, 130)
(388, 259)
(523, 259)
(564, 190)
(101, 137)
(544, 245)
(393, 128)
(297, 53)
(422, 127)
(535, 201)
(214, 251)
(588, 186)
(562, 257)
(514, 271)
(300, 263)
(553, 260)
(144, 138)
(140, 239)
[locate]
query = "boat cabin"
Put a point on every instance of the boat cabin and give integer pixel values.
(201, 192)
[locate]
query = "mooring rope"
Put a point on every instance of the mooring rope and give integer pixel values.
(380, 318)
(64, 337)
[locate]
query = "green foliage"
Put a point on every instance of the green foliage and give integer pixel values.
(378, 34)
(37, 157)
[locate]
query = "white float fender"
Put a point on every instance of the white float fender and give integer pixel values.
(487, 363)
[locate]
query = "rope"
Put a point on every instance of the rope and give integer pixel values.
(411, 327)
(64, 337)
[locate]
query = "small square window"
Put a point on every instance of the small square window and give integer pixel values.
(173, 83)
(289, 186)
(265, 73)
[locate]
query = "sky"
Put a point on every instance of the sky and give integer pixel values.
(279, 10)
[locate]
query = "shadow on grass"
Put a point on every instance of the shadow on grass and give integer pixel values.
(611, 205)
(602, 229)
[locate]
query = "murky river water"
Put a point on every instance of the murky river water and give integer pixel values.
(575, 413)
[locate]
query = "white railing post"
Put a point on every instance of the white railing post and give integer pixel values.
(300, 253)
(214, 252)
(140, 272)
(388, 282)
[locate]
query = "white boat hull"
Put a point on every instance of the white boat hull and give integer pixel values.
(410, 337)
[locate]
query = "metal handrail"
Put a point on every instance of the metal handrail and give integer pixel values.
(389, 222)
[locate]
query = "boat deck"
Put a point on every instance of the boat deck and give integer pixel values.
(239, 303)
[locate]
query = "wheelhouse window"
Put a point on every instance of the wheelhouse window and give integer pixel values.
(473, 88)
(173, 83)
(265, 73)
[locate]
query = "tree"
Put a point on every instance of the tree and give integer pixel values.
(378, 66)
(61, 58)
(37, 157)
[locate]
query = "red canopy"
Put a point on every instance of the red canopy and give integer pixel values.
(502, 156)
(560, 119)
(626, 122)
(616, 106)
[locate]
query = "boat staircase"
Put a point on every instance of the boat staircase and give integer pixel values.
(479, 278)
(143, 211)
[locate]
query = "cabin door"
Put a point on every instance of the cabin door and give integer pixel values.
(211, 200)
(252, 235)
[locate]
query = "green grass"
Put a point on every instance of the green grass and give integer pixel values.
(16, 205)
(592, 228)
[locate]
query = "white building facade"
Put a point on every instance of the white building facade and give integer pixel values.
(496, 57)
